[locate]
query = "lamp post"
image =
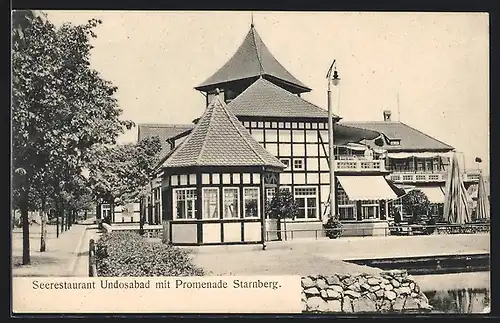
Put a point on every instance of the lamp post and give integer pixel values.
(478, 161)
(335, 80)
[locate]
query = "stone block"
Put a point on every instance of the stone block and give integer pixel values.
(411, 304)
(388, 287)
(316, 303)
(333, 280)
(380, 293)
(311, 291)
(390, 295)
(395, 283)
(352, 293)
(347, 305)
(323, 294)
(364, 305)
(337, 288)
(307, 282)
(321, 283)
(373, 281)
(334, 306)
(399, 304)
(333, 294)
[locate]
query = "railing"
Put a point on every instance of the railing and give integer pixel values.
(150, 231)
(92, 259)
(471, 175)
(418, 177)
(360, 165)
(401, 229)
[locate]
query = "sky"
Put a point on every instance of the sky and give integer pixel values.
(436, 63)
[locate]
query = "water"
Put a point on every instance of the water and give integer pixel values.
(460, 301)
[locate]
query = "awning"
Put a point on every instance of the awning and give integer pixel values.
(366, 188)
(418, 155)
(349, 134)
(434, 194)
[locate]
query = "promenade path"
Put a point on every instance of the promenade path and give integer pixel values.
(66, 255)
(324, 256)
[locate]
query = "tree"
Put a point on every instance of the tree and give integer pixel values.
(122, 173)
(61, 107)
(282, 206)
(415, 203)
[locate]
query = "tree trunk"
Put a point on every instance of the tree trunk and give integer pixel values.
(57, 221)
(63, 215)
(43, 229)
(26, 227)
(141, 219)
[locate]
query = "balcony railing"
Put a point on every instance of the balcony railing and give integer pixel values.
(423, 177)
(471, 175)
(418, 177)
(360, 165)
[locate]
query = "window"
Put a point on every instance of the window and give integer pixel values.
(285, 161)
(369, 209)
(345, 206)
(307, 198)
(210, 203)
(184, 203)
(298, 163)
(270, 192)
(395, 142)
(231, 205)
(252, 205)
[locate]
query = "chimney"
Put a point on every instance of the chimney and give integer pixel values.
(387, 115)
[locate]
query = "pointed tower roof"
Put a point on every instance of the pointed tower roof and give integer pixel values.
(219, 139)
(265, 99)
(253, 59)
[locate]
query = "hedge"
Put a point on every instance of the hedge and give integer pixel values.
(120, 254)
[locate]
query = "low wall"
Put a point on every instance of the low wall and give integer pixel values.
(362, 229)
(390, 292)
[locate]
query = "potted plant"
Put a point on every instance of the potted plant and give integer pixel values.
(333, 228)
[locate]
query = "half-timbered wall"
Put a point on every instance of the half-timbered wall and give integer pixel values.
(303, 146)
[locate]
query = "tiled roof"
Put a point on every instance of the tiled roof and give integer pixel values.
(252, 59)
(163, 131)
(411, 138)
(265, 99)
(219, 139)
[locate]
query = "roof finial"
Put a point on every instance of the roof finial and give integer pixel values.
(251, 21)
(217, 91)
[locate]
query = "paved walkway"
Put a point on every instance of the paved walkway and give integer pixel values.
(62, 257)
(306, 256)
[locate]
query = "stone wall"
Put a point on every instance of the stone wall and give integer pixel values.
(390, 292)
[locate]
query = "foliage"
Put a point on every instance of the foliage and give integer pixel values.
(333, 228)
(120, 254)
(415, 203)
(119, 173)
(282, 205)
(61, 109)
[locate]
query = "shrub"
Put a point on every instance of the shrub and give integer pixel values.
(128, 254)
(333, 228)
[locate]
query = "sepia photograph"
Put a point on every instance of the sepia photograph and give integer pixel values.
(250, 161)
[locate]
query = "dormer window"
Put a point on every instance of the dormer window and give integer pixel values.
(395, 142)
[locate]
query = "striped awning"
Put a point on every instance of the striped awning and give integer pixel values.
(366, 188)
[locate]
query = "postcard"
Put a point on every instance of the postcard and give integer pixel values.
(323, 163)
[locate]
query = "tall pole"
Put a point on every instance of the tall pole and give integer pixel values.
(331, 139)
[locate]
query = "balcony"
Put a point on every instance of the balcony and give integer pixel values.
(418, 177)
(359, 165)
(471, 175)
